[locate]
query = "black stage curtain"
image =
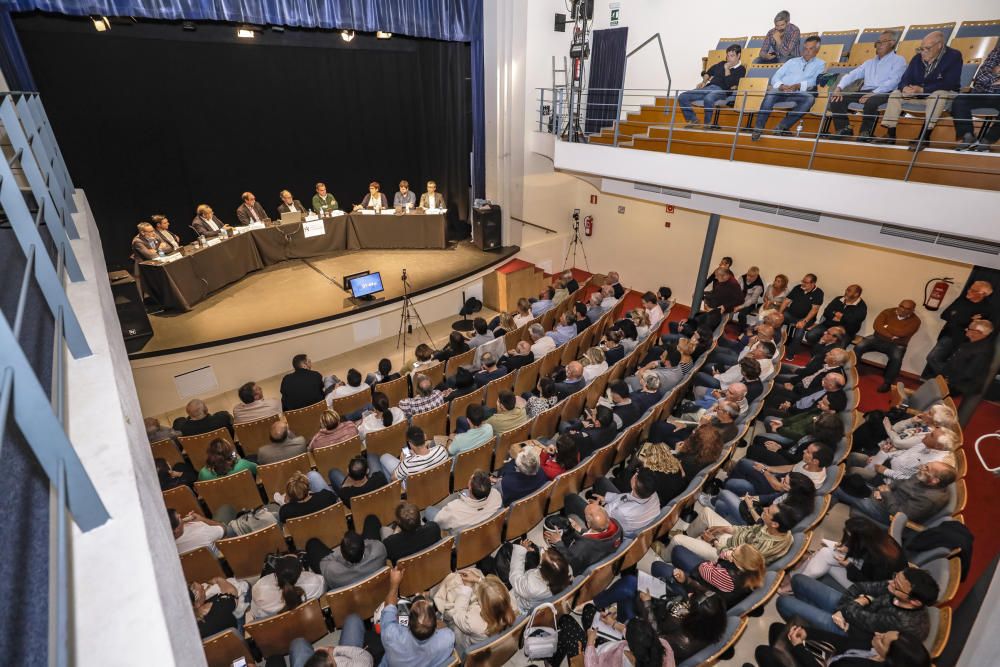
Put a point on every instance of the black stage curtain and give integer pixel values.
(153, 119)
(607, 77)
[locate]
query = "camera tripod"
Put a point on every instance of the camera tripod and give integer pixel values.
(576, 242)
(405, 319)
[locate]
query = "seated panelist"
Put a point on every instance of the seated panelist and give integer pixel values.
(323, 202)
(289, 204)
(432, 198)
(162, 226)
(206, 224)
(373, 199)
(146, 244)
(250, 211)
(404, 197)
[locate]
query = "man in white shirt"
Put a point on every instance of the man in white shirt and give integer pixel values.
(633, 510)
(541, 344)
(354, 385)
(891, 463)
(608, 298)
(652, 306)
(467, 508)
(880, 76)
(193, 530)
(253, 405)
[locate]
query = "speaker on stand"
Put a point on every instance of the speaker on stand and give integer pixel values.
(486, 227)
(132, 316)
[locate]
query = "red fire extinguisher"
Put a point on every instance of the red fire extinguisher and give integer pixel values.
(934, 297)
(588, 225)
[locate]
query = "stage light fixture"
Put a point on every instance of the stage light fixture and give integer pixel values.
(101, 23)
(188, 25)
(277, 28)
(245, 33)
(383, 35)
(347, 35)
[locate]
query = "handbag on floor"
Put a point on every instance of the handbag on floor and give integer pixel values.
(540, 641)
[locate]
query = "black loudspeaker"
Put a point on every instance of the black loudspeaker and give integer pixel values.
(132, 316)
(486, 228)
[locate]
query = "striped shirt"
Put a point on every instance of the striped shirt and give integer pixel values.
(420, 462)
(906, 462)
(717, 576)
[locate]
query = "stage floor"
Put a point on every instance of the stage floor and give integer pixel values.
(294, 293)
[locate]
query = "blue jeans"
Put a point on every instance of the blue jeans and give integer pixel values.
(316, 482)
(683, 559)
(337, 476)
(744, 478)
(353, 634)
(710, 94)
(803, 102)
(707, 380)
(813, 601)
(727, 505)
(867, 507)
(622, 592)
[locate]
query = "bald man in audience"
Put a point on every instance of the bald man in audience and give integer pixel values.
(588, 539)
(518, 357)
(283, 445)
(200, 421)
(891, 334)
(574, 381)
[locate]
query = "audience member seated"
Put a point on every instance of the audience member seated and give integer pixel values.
(887, 649)
(905, 433)
(181, 474)
(474, 606)
(332, 429)
(848, 311)
(931, 80)
(709, 388)
(503, 326)
(866, 552)
(422, 455)
(772, 449)
(720, 418)
(410, 534)
(559, 457)
(641, 646)
(303, 386)
(283, 445)
(529, 586)
(355, 559)
(215, 613)
(878, 77)
(349, 651)
(483, 333)
(795, 82)
(752, 287)
(381, 416)
(544, 302)
(523, 314)
(283, 589)
(580, 318)
(206, 224)
(892, 331)
(305, 493)
(967, 367)
(517, 358)
(194, 531)
(983, 94)
(565, 329)
(472, 432)
(919, 497)
(364, 475)
(633, 510)
(596, 430)
(425, 397)
(508, 416)
(221, 459)
(776, 293)
(796, 502)
(975, 304)
(545, 399)
(456, 345)
(200, 421)
(424, 358)
(253, 405)
(758, 479)
(594, 308)
(354, 385)
(647, 394)
(156, 432)
(898, 464)
(802, 393)
(383, 374)
(614, 282)
(614, 351)
(668, 476)
(540, 343)
(594, 364)
(799, 310)
(726, 292)
(608, 297)
(574, 381)
(710, 533)
(419, 641)
(468, 507)
(868, 607)
(716, 85)
(797, 425)
(463, 382)
(584, 544)
(782, 42)
(521, 476)
(489, 371)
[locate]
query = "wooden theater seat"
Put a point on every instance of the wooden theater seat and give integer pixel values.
(389, 440)
(305, 421)
(336, 456)
(274, 635)
(254, 434)
(245, 553)
(479, 541)
(237, 490)
(274, 476)
(425, 568)
(196, 446)
(423, 489)
(327, 525)
(361, 598)
(380, 502)
(201, 565)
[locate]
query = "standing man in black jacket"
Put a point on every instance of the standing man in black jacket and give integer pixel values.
(975, 304)
(303, 386)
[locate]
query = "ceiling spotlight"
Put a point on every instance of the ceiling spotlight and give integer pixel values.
(383, 35)
(347, 35)
(245, 33)
(101, 23)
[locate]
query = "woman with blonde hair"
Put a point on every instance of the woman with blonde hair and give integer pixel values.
(333, 429)
(474, 606)
(505, 325)
(594, 364)
(775, 293)
(668, 472)
(523, 314)
(641, 318)
(305, 493)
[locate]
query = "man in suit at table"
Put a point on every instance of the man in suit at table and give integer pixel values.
(250, 211)
(432, 198)
(289, 204)
(147, 244)
(323, 201)
(404, 197)
(162, 226)
(206, 224)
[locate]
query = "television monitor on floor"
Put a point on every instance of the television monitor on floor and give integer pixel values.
(366, 286)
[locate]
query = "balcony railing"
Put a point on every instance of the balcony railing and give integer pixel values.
(653, 120)
(36, 202)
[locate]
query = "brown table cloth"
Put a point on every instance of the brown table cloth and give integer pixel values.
(184, 282)
(413, 230)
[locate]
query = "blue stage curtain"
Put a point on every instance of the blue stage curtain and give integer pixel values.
(13, 64)
(607, 76)
(450, 20)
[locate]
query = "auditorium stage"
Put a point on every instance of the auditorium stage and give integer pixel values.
(296, 293)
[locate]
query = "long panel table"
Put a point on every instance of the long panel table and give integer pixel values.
(182, 283)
